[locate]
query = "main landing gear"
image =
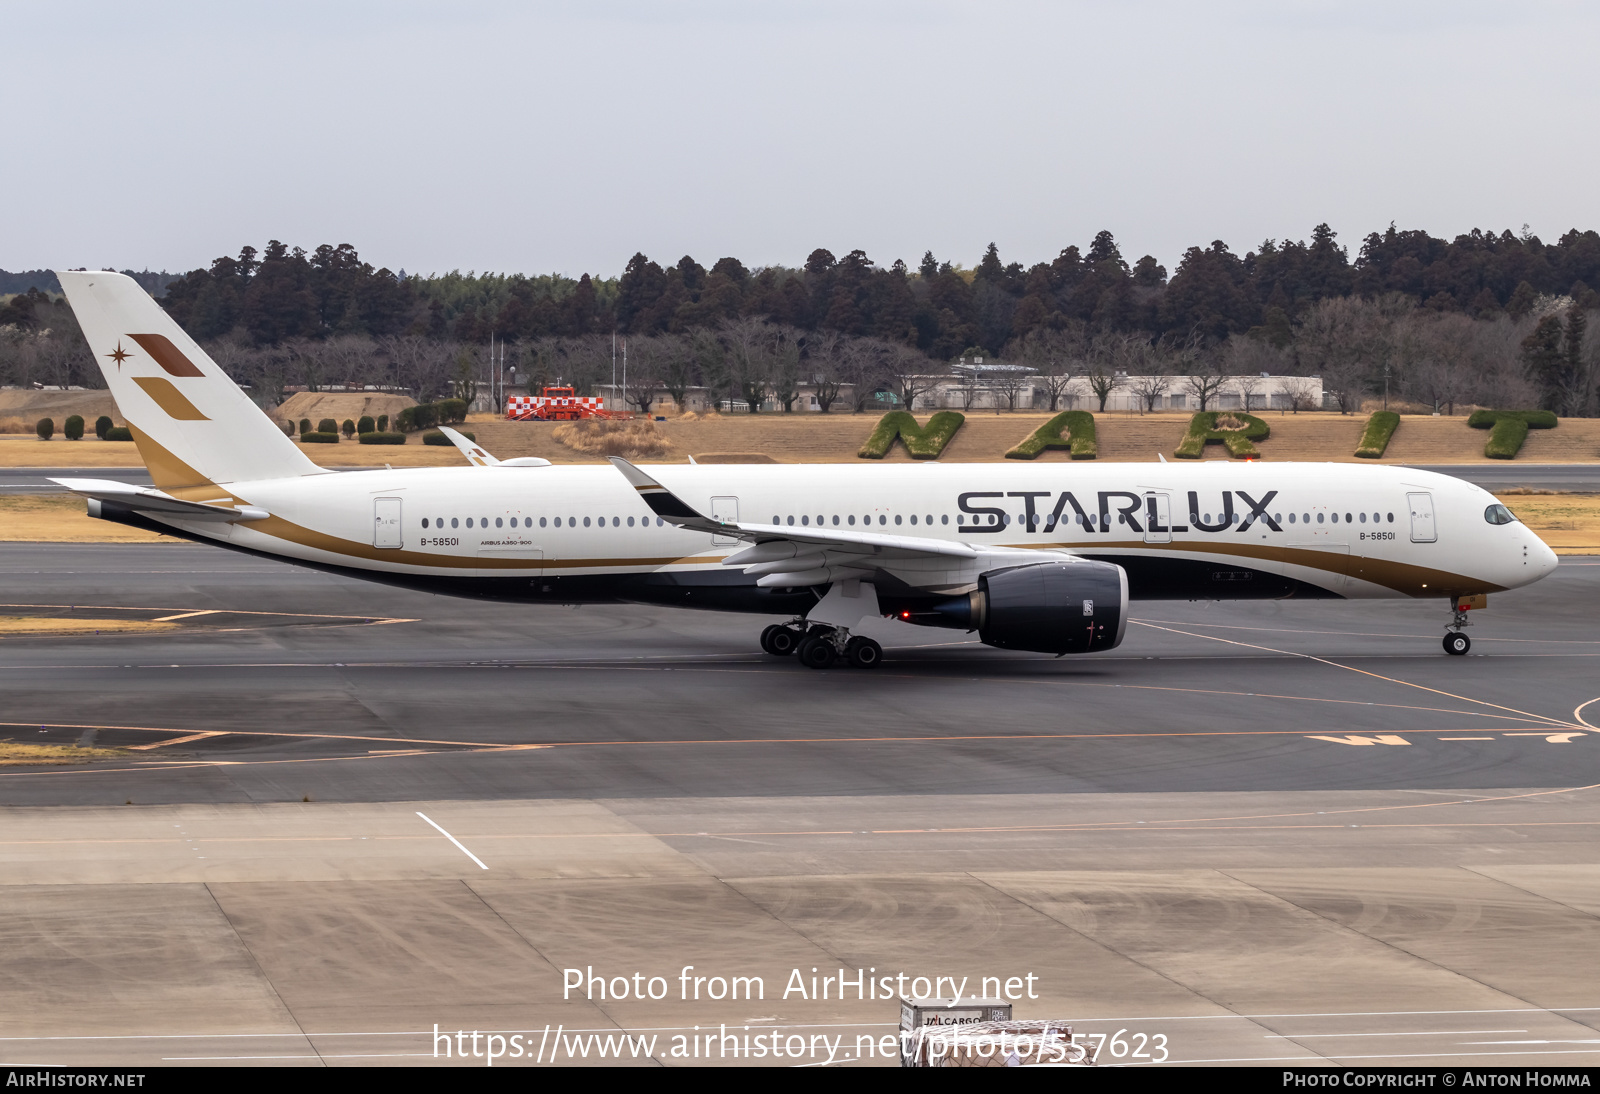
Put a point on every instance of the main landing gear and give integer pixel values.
(1457, 644)
(821, 646)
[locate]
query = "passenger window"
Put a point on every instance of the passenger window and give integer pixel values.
(586, 522)
(851, 518)
(542, 520)
(929, 520)
(882, 519)
(498, 522)
(1291, 518)
(630, 522)
(836, 521)
(897, 518)
(455, 522)
(1391, 518)
(469, 522)
(944, 518)
(1347, 518)
(1335, 517)
(424, 522)
(913, 518)
(791, 522)
(1319, 518)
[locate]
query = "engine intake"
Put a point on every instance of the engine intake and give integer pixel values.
(1047, 607)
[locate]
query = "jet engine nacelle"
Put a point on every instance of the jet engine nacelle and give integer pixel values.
(1046, 607)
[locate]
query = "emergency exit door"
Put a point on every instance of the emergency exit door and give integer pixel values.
(726, 510)
(386, 522)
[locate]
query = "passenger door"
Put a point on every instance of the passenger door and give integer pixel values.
(1158, 514)
(1423, 528)
(386, 531)
(724, 509)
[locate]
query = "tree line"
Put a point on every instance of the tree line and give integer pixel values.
(1484, 319)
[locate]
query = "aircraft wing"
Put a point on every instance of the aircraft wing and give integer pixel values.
(787, 557)
(147, 499)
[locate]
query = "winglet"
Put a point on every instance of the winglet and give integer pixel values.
(663, 502)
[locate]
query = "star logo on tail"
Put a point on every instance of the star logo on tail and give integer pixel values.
(120, 355)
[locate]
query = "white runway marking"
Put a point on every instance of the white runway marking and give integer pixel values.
(453, 840)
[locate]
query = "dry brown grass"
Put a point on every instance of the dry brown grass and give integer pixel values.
(54, 518)
(1569, 523)
(13, 754)
(596, 437)
(33, 626)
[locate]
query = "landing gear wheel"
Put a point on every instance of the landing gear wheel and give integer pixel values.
(864, 653)
(1457, 644)
(816, 653)
(780, 641)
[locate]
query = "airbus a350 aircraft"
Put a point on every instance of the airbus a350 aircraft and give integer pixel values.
(1031, 557)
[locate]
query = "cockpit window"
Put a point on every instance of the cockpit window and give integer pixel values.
(1498, 514)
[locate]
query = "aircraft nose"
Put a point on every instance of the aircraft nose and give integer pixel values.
(1541, 559)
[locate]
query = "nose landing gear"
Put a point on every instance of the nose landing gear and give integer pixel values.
(1457, 644)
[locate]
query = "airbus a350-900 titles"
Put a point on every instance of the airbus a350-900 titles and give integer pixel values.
(1043, 558)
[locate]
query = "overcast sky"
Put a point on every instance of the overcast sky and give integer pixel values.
(564, 137)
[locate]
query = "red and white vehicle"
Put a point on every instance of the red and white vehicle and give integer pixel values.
(558, 404)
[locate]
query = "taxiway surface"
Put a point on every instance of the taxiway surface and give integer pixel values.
(1259, 832)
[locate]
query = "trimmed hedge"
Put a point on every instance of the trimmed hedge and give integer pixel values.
(923, 442)
(45, 428)
(1508, 429)
(305, 425)
(382, 438)
(101, 424)
(428, 415)
(73, 430)
(348, 429)
(321, 436)
(1078, 425)
(118, 433)
(1203, 431)
(441, 439)
(1375, 438)
(383, 423)
(327, 425)
(366, 424)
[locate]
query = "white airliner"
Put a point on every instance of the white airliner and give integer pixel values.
(1031, 557)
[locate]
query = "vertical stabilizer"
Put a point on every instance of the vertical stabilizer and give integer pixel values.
(193, 425)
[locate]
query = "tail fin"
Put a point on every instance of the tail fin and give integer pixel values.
(193, 425)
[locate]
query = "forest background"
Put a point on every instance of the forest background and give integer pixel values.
(1496, 320)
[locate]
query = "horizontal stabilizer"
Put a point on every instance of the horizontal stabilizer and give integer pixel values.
(145, 499)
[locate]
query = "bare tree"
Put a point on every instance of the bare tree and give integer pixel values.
(784, 355)
(1206, 380)
(861, 364)
(422, 365)
(1009, 383)
(1331, 343)
(823, 360)
(1148, 388)
(1056, 357)
(646, 359)
(1302, 392)
(911, 372)
(749, 357)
